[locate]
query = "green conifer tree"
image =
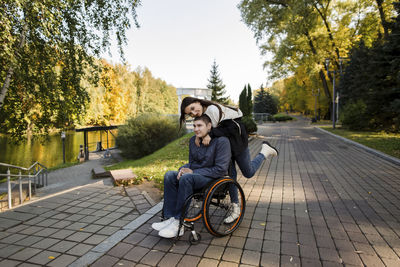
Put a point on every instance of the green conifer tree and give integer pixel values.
(216, 85)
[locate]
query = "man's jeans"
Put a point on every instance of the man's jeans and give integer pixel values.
(176, 192)
(247, 167)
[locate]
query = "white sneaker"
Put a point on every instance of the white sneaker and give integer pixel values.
(172, 230)
(160, 225)
(268, 150)
(234, 214)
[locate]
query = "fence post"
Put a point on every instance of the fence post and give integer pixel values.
(9, 189)
(20, 187)
(30, 187)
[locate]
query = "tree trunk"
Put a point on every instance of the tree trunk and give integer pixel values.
(10, 71)
(383, 19)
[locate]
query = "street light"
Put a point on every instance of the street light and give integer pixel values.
(334, 92)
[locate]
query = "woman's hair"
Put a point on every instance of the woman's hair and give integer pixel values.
(205, 103)
(203, 118)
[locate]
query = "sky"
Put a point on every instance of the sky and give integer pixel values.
(178, 40)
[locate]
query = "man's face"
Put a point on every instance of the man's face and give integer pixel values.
(201, 129)
(194, 110)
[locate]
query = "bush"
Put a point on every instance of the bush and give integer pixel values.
(147, 133)
(354, 116)
(249, 124)
(282, 117)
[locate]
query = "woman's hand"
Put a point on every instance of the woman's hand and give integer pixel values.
(197, 141)
(206, 140)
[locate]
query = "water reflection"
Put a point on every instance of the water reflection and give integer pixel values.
(49, 152)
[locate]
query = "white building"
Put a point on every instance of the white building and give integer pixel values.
(202, 93)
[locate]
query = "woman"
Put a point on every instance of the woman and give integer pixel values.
(226, 121)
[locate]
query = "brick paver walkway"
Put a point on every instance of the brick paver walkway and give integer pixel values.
(322, 202)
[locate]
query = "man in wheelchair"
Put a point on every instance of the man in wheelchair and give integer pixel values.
(206, 163)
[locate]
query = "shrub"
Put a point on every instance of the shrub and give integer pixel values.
(354, 116)
(250, 124)
(147, 133)
(282, 117)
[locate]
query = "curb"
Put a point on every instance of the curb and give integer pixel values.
(373, 151)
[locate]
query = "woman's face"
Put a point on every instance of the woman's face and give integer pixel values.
(194, 110)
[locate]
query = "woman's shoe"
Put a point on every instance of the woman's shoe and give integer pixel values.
(268, 150)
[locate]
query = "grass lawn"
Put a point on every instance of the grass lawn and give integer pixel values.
(154, 166)
(388, 143)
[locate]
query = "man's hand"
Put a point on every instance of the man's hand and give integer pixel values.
(183, 171)
(206, 140)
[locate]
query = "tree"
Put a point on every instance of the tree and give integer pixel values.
(243, 104)
(301, 34)
(46, 47)
(249, 100)
(216, 85)
(264, 102)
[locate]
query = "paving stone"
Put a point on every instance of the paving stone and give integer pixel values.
(253, 244)
(44, 257)
(125, 263)
(62, 246)
(30, 240)
(62, 234)
(269, 260)
(188, 261)
(290, 249)
(9, 250)
(9, 263)
(45, 243)
(78, 236)
(196, 250)
(328, 254)
(136, 253)
(232, 254)
(95, 239)
(310, 252)
(208, 263)
(170, 260)
(251, 257)
(152, 258)
(46, 232)
(105, 260)
(79, 249)
(236, 242)
(271, 247)
(371, 260)
(63, 260)
(214, 252)
(350, 258)
(25, 254)
(13, 238)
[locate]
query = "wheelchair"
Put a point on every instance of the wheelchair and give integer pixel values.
(213, 204)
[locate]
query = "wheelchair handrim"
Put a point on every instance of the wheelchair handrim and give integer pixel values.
(204, 210)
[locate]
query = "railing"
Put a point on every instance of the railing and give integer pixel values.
(37, 171)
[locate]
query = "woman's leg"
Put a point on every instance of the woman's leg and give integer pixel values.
(249, 167)
(233, 191)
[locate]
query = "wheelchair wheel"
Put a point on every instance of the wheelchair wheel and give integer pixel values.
(218, 205)
(194, 207)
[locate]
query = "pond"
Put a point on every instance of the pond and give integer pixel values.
(50, 152)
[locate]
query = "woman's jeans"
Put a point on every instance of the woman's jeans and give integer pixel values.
(176, 191)
(247, 167)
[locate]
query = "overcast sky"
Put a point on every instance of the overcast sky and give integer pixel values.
(178, 41)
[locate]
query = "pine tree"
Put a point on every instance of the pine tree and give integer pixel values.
(243, 101)
(259, 101)
(249, 100)
(216, 85)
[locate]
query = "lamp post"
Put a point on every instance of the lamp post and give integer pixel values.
(333, 93)
(316, 94)
(63, 145)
